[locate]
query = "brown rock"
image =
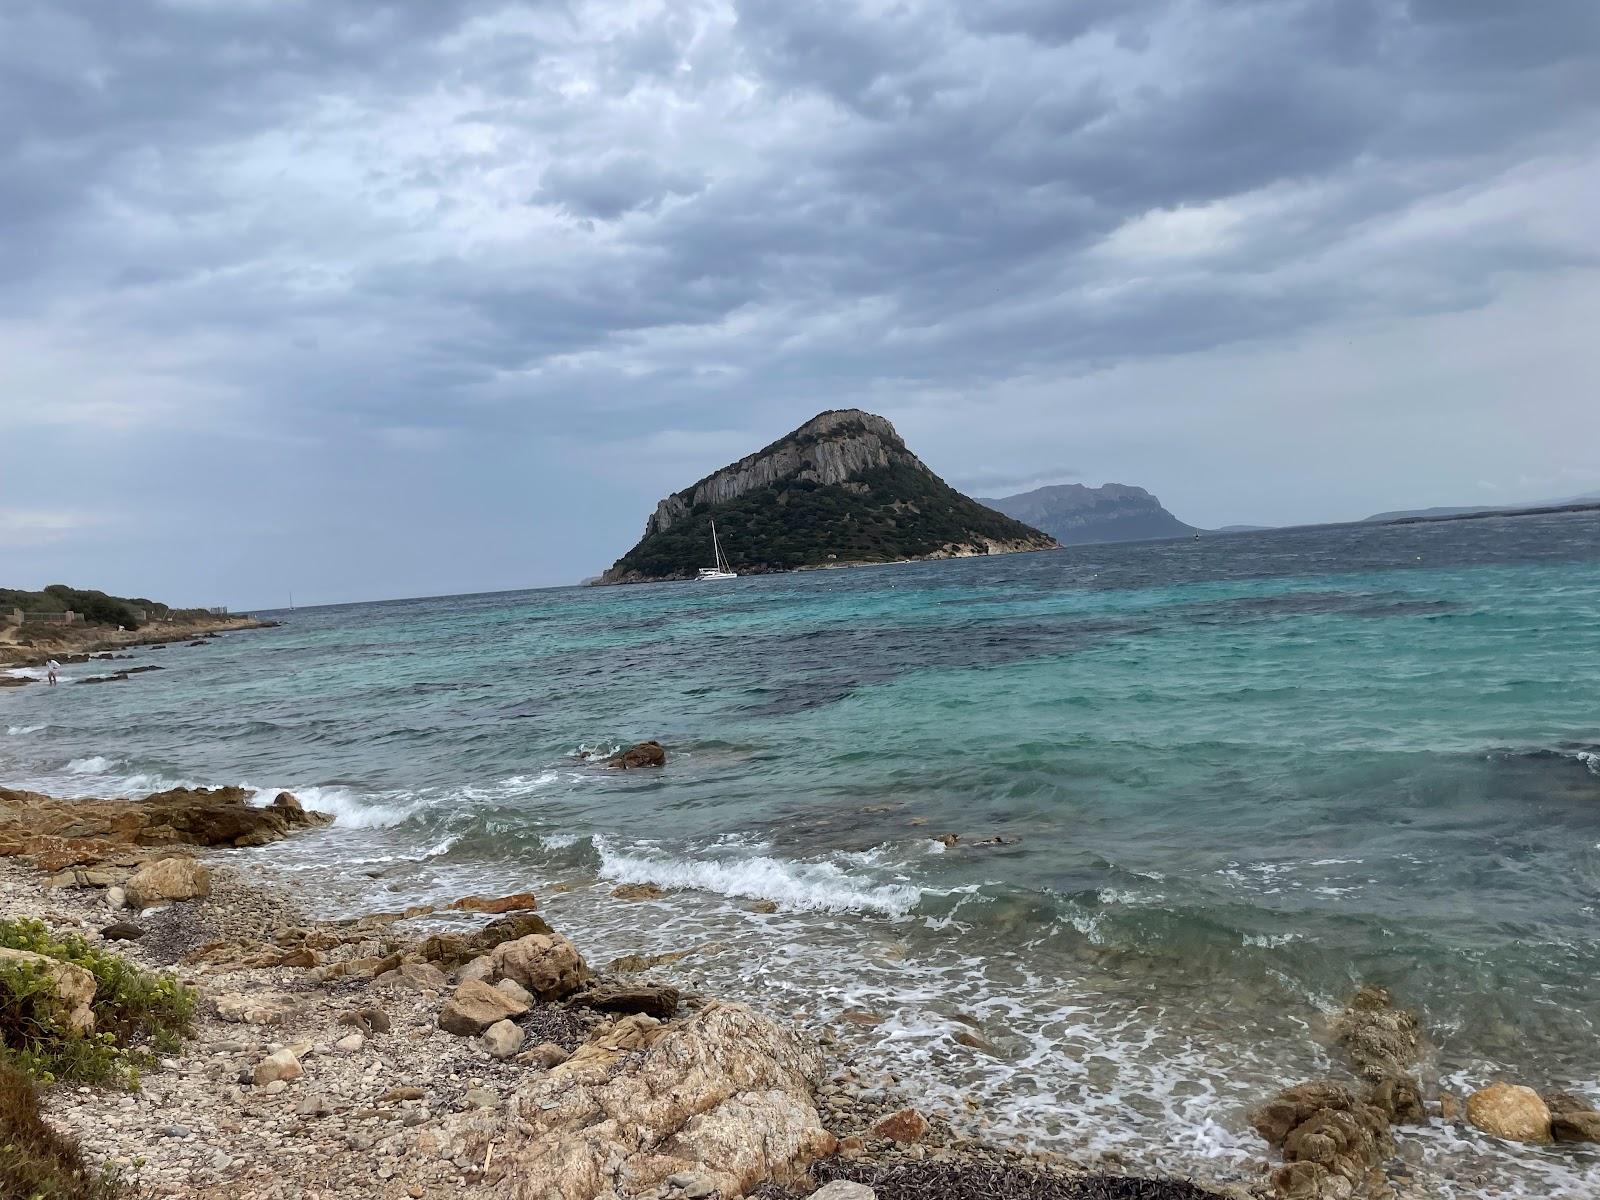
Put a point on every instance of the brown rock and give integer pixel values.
(645, 754)
(1400, 1099)
(637, 891)
(1575, 1126)
(73, 986)
(545, 1054)
(288, 800)
(1510, 1111)
(403, 1093)
(476, 1006)
(547, 965)
(496, 904)
(907, 1125)
(1380, 1039)
(1450, 1107)
(763, 906)
(302, 957)
(175, 878)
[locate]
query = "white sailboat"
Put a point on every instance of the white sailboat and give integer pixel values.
(720, 571)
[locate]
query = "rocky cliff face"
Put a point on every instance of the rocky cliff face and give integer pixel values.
(1074, 514)
(831, 448)
(842, 488)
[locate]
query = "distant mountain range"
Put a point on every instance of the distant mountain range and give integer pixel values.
(1075, 514)
(1402, 514)
(843, 488)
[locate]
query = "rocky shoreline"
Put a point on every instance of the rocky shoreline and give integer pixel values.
(33, 646)
(413, 1054)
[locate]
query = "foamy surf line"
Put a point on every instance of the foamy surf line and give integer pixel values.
(806, 887)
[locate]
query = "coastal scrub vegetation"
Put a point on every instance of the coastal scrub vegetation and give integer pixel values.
(135, 1011)
(97, 607)
(36, 1161)
(884, 515)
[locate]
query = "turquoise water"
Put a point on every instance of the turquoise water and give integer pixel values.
(1231, 781)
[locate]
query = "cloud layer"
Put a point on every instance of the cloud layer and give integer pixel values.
(489, 260)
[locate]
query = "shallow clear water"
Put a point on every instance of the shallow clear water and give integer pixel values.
(1233, 779)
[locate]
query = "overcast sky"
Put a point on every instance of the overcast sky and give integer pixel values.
(365, 300)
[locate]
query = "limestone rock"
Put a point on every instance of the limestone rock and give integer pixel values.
(516, 991)
(502, 1039)
(1510, 1111)
(176, 878)
(724, 1096)
(548, 965)
(281, 1065)
(73, 986)
(645, 754)
(844, 1189)
(1380, 1039)
(260, 1008)
(545, 1054)
(637, 891)
(476, 1006)
(496, 904)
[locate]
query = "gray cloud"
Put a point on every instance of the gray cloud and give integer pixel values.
(579, 222)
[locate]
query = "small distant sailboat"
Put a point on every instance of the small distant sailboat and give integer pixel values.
(721, 570)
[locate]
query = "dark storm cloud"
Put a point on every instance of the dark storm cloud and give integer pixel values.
(345, 220)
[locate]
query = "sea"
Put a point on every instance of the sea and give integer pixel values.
(1200, 791)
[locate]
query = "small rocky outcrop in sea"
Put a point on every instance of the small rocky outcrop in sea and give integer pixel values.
(1381, 1040)
(58, 834)
(645, 754)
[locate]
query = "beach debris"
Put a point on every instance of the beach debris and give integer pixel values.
(72, 985)
(1510, 1111)
(122, 931)
(474, 1007)
(496, 904)
(645, 754)
(657, 1000)
(547, 964)
(637, 891)
(502, 1039)
(176, 878)
(279, 1066)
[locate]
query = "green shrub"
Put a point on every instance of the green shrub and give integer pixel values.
(36, 1161)
(135, 1011)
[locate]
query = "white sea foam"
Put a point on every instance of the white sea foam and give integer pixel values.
(350, 809)
(19, 730)
(95, 764)
(1591, 760)
(798, 886)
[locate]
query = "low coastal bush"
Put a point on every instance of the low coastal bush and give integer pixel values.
(37, 1162)
(135, 1011)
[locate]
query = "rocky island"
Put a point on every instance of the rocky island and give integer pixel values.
(841, 489)
(1077, 515)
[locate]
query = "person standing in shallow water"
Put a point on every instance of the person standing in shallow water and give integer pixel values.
(51, 668)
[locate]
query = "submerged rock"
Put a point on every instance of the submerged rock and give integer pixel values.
(496, 904)
(645, 754)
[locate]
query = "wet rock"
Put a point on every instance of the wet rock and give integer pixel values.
(548, 965)
(1330, 1140)
(122, 931)
(476, 1006)
(637, 891)
(1380, 1039)
(496, 904)
(176, 878)
(279, 1066)
(288, 801)
(657, 1000)
(764, 906)
(1400, 1099)
(502, 1039)
(73, 986)
(1510, 1111)
(907, 1125)
(645, 754)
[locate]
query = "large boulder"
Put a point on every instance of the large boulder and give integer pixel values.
(475, 1007)
(1510, 1111)
(725, 1096)
(73, 986)
(176, 878)
(546, 964)
(1332, 1142)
